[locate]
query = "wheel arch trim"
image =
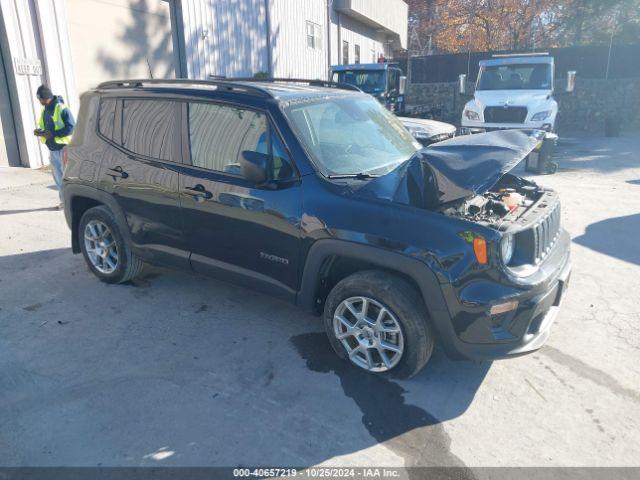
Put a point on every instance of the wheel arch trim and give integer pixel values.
(417, 271)
(71, 192)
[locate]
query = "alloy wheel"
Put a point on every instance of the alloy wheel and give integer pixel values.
(101, 247)
(369, 332)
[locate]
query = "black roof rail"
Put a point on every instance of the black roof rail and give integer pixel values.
(310, 82)
(221, 84)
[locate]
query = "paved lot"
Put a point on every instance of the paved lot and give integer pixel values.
(181, 370)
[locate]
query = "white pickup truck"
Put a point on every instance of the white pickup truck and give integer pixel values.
(513, 91)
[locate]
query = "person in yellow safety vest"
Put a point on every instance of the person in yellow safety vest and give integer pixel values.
(55, 127)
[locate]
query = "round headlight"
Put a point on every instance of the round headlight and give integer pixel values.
(507, 246)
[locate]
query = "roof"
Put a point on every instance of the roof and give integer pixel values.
(279, 89)
(291, 91)
(524, 59)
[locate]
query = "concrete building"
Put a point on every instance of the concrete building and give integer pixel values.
(74, 44)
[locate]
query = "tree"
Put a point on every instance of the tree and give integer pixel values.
(486, 25)
(589, 22)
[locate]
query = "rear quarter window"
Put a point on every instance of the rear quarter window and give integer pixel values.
(87, 117)
(107, 117)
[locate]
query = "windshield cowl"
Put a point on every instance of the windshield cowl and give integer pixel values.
(356, 176)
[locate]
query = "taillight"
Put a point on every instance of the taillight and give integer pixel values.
(65, 157)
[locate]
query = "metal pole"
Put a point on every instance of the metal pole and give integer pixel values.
(408, 64)
(340, 58)
(329, 5)
(606, 76)
(267, 15)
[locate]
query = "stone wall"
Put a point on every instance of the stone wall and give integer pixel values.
(584, 110)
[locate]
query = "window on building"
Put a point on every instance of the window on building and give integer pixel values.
(313, 36)
(107, 116)
(150, 128)
(356, 53)
(374, 59)
(345, 52)
(219, 134)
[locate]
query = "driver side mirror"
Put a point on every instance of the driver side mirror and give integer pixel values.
(255, 166)
(403, 85)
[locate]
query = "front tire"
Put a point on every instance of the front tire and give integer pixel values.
(379, 323)
(104, 248)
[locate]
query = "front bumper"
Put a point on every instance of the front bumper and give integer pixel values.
(471, 332)
(481, 127)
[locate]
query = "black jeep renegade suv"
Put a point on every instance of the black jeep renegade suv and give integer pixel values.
(318, 195)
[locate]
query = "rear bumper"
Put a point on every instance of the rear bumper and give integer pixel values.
(472, 333)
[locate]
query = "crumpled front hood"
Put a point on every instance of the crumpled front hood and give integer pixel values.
(454, 169)
(430, 127)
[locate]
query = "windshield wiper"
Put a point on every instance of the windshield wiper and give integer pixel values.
(357, 176)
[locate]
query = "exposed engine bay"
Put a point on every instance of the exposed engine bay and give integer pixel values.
(466, 177)
(506, 201)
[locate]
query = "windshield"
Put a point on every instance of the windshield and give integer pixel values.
(372, 81)
(351, 134)
(515, 77)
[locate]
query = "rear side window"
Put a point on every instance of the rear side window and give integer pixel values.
(218, 135)
(87, 118)
(150, 128)
(107, 117)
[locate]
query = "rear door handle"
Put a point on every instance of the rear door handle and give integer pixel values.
(198, 192)
(117, 172)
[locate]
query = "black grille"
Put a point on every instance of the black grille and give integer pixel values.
(546, 233)
(505, 114)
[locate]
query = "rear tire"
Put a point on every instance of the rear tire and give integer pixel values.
(104, 248)
(374, 291)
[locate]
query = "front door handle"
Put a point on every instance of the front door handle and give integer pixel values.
(117, 172)
(198, 192)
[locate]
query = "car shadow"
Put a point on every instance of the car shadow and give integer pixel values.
(615, 237)
(412, 429)
(175, 369)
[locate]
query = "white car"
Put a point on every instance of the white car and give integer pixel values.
(428, 131)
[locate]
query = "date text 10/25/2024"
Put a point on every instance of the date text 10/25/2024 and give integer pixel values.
(317, 472)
